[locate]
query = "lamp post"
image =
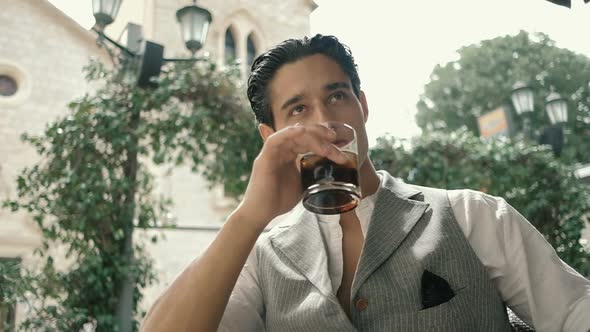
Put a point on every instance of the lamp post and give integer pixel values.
(194, 25)
(583, 174)
(524, 104)
(105, 11)
(194, 22)
(556, 107)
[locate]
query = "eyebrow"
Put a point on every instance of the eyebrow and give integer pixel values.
(336, 86)
(293, 100)
(329, 87)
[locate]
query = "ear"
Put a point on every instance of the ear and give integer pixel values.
(364, 105)
(265, 130)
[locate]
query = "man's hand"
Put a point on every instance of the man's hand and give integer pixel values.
(274, 188)
(275, 182)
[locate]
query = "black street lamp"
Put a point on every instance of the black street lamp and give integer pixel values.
(105, 12)
(583, 174)
(144, 59)
(556, 107)
(194, 23)
(524, 104)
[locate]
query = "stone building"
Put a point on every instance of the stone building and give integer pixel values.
(42, 53)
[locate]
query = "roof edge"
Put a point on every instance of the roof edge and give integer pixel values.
(312, 5)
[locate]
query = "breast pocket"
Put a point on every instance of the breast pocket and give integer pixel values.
(453, 315)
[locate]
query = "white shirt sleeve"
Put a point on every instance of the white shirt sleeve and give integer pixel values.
(245, 308)
(532, 280)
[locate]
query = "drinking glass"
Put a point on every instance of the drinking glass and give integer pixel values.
(331, 188)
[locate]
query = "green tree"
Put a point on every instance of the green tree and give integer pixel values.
(482, 78)
(530, 178)
(9, 273)
(92, 186)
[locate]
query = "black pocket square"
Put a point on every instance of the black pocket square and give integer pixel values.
(435, 290)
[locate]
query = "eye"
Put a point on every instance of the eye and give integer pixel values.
(297, 109)
(337, 96)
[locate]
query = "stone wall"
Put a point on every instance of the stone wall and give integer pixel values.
(45, 51)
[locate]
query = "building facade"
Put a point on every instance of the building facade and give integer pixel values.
(240, 29)
(42, 53)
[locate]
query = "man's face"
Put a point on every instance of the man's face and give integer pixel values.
(314, 90)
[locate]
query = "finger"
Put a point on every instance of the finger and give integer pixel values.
(323, 131)
(312, 141)
(298, 139)
(299, 130)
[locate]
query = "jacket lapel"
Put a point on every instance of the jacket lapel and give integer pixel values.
(394, 217)
(303, 245)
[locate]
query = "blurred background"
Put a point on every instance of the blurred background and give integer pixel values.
(118, 123)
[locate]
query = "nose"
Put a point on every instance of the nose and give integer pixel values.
(321, 113)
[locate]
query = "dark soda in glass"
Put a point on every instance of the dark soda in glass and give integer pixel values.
(330, 188)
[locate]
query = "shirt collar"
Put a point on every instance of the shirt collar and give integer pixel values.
(364, 210)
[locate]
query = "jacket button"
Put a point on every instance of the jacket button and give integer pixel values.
(362, 304)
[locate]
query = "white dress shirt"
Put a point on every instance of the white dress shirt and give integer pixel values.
(532, 280)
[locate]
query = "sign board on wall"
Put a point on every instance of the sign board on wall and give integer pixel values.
(494, 123)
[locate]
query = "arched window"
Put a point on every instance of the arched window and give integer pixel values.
(230, 46)
(251, 50)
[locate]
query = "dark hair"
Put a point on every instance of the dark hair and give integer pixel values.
(267, 64)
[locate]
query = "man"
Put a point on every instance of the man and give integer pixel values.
(407, 258)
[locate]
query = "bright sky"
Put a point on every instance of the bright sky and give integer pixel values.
(396, 44)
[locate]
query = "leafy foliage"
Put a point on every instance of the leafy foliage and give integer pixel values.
(482, 78)
(450, 155)
(93, 184)
(530, 178)
(9, 290)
